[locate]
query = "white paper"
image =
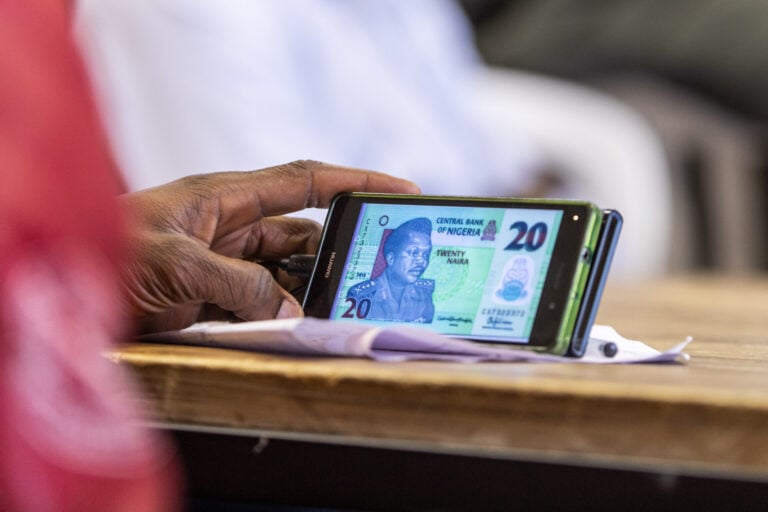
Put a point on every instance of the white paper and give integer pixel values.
(312, 336)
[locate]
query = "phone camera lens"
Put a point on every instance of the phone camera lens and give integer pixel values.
(551, 306)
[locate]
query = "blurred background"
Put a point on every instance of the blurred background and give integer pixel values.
(695, 70)
(651, 107)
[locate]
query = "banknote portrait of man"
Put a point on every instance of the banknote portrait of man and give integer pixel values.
(399, 293)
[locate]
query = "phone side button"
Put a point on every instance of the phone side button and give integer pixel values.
(558, 276)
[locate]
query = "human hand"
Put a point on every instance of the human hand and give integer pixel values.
(192, 239)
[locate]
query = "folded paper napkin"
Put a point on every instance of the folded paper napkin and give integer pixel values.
(312, 336)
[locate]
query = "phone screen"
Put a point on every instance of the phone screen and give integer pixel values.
(471, 271)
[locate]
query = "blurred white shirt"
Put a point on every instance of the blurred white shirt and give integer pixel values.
(193, 86)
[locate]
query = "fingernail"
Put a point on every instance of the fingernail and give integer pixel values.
(289, 309)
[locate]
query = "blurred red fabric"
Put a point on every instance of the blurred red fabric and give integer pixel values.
(70, 433)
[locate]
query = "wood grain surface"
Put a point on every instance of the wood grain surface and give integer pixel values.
(709, 416)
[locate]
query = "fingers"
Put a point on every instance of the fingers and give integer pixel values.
(172, 278)
(321, 182)
(246, 289)
(249, 196)
(223, 207)
(272, 238)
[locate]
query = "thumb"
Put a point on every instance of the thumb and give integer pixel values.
(245, 289)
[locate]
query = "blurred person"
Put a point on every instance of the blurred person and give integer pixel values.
(391, 84)
(71, 436)
(192, 85)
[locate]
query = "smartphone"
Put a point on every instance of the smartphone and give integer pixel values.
(509, 272)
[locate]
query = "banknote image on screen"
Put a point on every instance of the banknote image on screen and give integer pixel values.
(460, 270)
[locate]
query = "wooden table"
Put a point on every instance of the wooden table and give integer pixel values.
(707, 418)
